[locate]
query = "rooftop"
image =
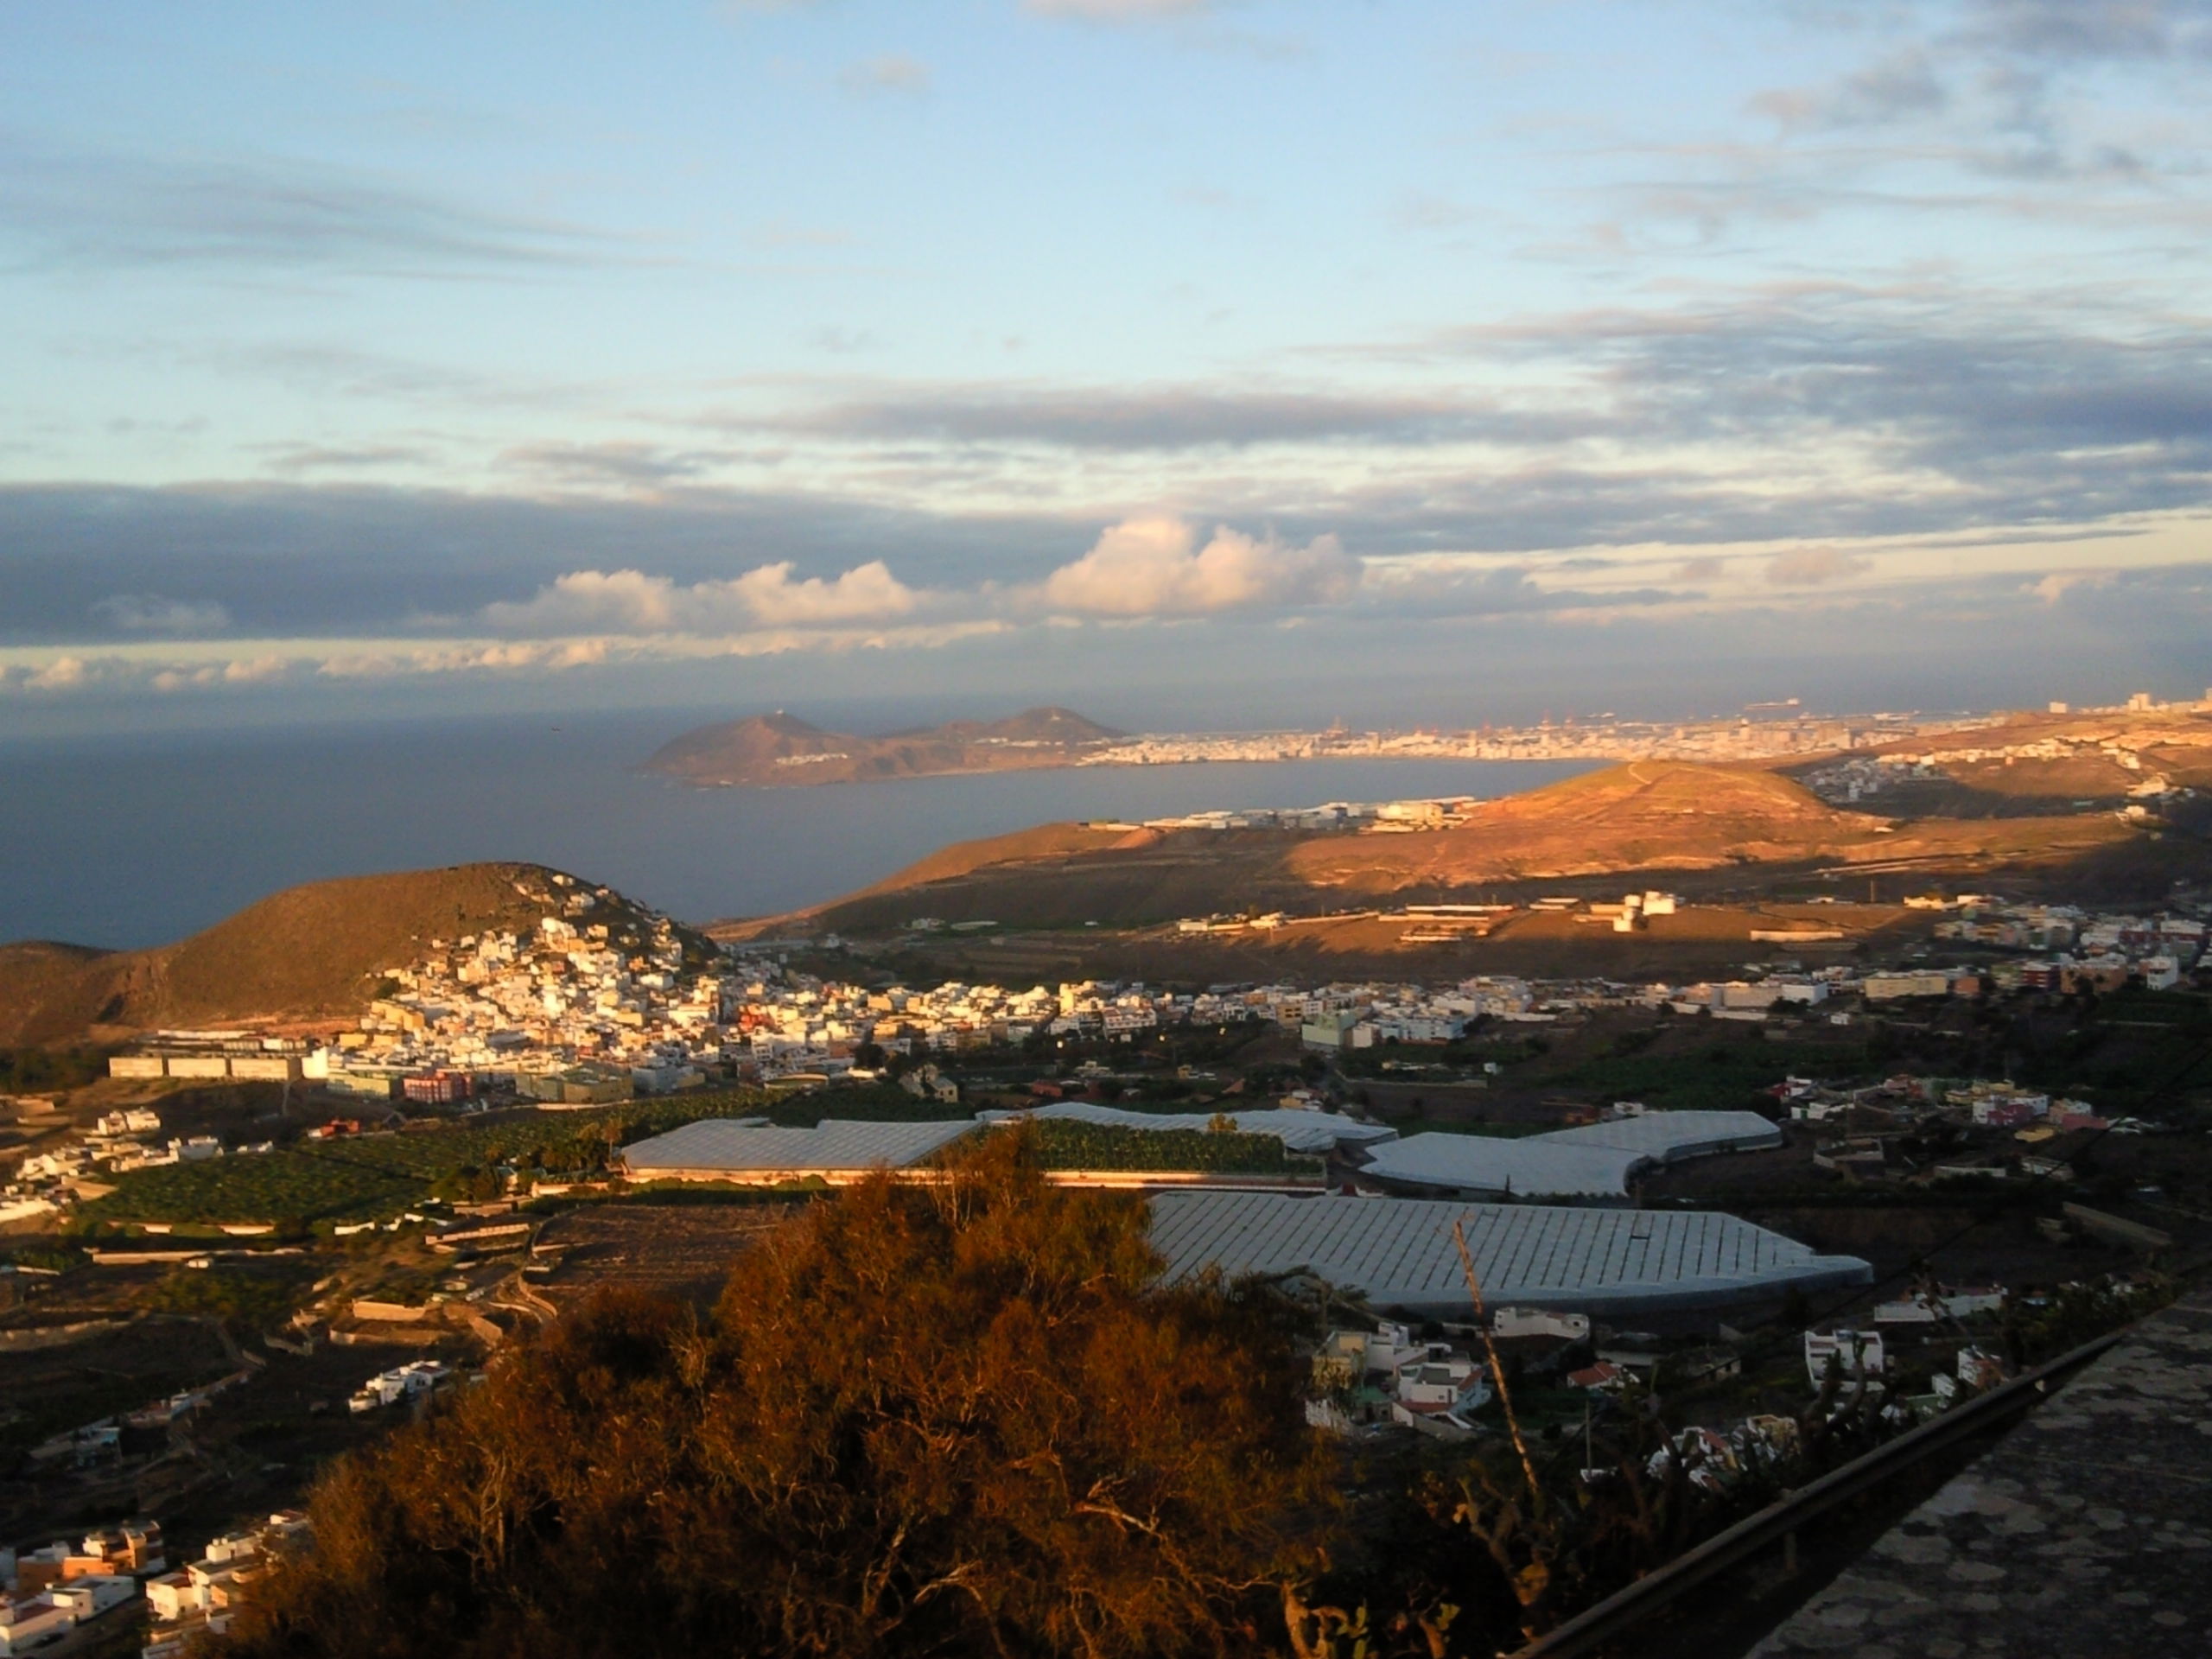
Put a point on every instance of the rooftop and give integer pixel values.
(734, 1149)
(1400, 1253)
(1669, 1136)
(1533, 1167)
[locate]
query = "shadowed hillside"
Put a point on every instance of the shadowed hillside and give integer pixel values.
(303, 953)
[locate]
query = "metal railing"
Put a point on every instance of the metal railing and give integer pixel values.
(1776, 1525)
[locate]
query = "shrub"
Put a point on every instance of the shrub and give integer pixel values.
(956, 1419)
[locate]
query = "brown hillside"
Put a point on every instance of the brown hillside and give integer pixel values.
(305, 953)
(1046, 842)
(308, 949)
(1653, 816)
(51, 992)
(1646, 815)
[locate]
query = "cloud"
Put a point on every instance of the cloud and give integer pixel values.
(316, 458)
(1181, 417)
(617, 463)
(630, 601)
(151, 614)
(84, 207)
(1155, 567)
(62, 674)
(1759, 417)
(1813, 566)
(868, 593)
(889, 71)
(1900, 87)
(2072, 31)
(1706, 569)
(250, 670)
(2057, 584)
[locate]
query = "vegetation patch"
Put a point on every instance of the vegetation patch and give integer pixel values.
(366, 1177)
(47, 1070)
(244, 1296)
(1724, 1077)
(1067, 1143)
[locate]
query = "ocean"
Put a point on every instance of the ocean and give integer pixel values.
(133, 841)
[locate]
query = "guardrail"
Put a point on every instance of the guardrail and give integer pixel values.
(1778, 1525)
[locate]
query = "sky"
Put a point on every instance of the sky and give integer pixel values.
(1195, 363)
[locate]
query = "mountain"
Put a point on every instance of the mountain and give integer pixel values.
(305, 953)
(1645, 817)
(780, 748)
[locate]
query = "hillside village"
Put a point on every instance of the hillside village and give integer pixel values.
(596, 1007)
(577, 1014)
(565, 1016)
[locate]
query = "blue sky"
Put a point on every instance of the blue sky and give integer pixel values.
(1215, 362)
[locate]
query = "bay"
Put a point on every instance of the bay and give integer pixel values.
(132, 840)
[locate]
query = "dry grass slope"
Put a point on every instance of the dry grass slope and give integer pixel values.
(1649, 816)
(306, 952)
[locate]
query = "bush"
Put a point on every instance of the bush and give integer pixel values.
(965, 1419)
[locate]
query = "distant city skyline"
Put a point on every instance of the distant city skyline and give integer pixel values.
(1193, 364)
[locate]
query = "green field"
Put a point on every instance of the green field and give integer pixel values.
(1061, 1143)
(1725, 1076)
(868, 1102)
(366, 1177)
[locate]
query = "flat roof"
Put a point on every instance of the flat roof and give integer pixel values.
(1533, 1167)
(735, 1147)
(1400, 1253)
(1668, 1136)
(1299, 1131)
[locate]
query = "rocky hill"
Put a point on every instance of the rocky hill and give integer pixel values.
(305, 953)
(780, 748)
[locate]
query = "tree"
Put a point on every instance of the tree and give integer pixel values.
(965, 1418)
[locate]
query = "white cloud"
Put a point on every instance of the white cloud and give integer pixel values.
(152, 614)
(2056, 585)
(1155, 566)
(865, 593)
(630, 601)
(62, 674)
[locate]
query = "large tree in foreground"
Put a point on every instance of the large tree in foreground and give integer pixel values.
(965, 1418)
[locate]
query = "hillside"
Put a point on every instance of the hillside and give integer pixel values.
(1649, 816)
(2026, 764)
(1644, 815)
(307, 952)
(770, 750)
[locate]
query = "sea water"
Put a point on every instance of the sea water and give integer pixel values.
(132, 841)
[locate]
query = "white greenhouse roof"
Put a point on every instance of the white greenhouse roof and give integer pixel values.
(1299, 1131)
(1668, 1136)
(1400, 1253)
(734, 1148)
(1534, 1166)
